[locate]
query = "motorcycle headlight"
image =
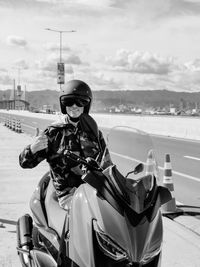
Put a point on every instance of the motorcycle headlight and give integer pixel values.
(108, 245)
(151, 256)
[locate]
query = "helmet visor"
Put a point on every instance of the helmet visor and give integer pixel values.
(79, 102)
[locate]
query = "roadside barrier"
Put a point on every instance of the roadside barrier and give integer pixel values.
(19, 127)
(2, 225)
(170, 206)
(13, 124)
(10, 124)
(6, 122)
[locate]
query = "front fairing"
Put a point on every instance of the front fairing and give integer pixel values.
(141, 242)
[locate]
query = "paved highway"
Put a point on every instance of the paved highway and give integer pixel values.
(184, 155)
(181, 245)
(185, 160)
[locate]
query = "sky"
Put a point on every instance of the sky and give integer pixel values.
(117, 44)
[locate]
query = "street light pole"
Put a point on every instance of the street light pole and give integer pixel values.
(60, 47)
(60, 33)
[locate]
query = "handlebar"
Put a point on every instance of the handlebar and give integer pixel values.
(92, 165)
(74, 157)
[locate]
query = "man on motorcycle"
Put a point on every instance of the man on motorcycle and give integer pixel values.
(78, 133)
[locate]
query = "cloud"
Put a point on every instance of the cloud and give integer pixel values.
(189, 78)
(56, 47)
(67, 58)
(166, 6)
(5, 79)
(16, 41)
(105, 81)
(73, 59)
(3, 70)
(153, 9)
(69, 69)
(184, 79)
(46, 65)
(193, 65)
(22, 64)
(184, 7)
(50, 65)
(141, 62)
(145, 14)
(162, 8)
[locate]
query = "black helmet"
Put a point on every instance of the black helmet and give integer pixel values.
(78, 90)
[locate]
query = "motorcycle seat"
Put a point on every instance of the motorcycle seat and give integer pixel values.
(56, 215)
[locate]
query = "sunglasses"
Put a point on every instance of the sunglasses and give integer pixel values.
(78, 102)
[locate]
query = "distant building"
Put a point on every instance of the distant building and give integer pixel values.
(14, 104)
(47, 109)
(172, 110)
(16, 100)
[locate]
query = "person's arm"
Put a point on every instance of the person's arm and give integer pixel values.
(34, 153)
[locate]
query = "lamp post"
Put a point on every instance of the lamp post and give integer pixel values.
(17, 93)
(60, 69)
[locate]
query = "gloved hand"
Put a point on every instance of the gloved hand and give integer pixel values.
(92, 162)
(78, 170)
(40, 142)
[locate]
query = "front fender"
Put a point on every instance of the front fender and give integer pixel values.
(42, 259)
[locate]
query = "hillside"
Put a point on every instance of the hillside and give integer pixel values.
(102, 99)
(157, 98)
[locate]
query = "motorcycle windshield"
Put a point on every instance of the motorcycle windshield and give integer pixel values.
(133, 154)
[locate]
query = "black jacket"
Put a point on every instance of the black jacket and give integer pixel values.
(85, 140)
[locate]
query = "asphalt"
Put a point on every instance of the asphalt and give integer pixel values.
(181, 246)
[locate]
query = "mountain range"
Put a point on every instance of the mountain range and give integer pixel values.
(102, 99)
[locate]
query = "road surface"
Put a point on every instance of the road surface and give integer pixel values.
(181, 246)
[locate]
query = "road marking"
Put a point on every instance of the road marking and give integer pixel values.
(176, 138)
(26, 125)
(190, 157)
(161, 168)
(187, 176)
(126, 157)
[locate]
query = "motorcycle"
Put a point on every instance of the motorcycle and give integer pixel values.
(114, 217)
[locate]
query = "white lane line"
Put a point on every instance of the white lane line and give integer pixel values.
(126, 157)
(190, 157)
(161, 168)
(29, 126)
(187, 176)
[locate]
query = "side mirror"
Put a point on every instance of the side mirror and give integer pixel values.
(164, 194)
(139, 168)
